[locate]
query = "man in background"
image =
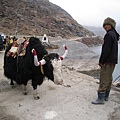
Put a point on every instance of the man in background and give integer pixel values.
(108, 60)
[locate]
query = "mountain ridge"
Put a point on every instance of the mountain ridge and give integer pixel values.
(38, 17)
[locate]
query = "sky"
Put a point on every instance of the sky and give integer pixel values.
(91, 12)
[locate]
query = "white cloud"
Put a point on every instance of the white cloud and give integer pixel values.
(91, 12)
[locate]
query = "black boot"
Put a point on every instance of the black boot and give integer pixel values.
(100, 100)
(107, 95)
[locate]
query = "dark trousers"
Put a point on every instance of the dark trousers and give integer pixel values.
(106, 78)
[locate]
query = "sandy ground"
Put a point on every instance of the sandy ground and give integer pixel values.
(58, 102)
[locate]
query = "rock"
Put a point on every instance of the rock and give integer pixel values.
(91, 41)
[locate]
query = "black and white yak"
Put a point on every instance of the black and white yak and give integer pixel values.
(35, 65)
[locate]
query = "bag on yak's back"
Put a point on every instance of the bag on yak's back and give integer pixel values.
(12, 52)
(13, 49)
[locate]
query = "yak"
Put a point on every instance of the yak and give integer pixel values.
(35, 65)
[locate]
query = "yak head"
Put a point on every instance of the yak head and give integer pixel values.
(52, 65)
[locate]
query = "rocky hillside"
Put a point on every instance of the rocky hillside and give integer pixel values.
(38, 17)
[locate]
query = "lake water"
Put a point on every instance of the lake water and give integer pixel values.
(116, 73)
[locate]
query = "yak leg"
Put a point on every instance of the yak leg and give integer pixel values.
(24, 91)
(11, 83)
(35, 93)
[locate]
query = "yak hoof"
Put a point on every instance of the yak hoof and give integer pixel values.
(24, 92)
(37, 97)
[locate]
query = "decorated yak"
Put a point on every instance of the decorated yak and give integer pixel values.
(35, 64)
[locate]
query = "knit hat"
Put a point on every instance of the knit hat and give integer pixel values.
(109, 21)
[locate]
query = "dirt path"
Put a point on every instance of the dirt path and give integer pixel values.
(57, 102)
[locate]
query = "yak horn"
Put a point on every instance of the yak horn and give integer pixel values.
(65, 54)
(36, 62)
